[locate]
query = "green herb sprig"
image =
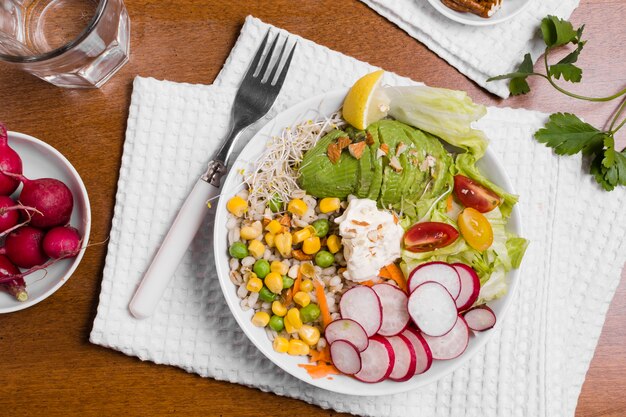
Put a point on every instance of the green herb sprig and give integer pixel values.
(565, 132)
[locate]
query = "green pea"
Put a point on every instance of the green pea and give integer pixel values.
(275, 204)
(309, 313)
(287, 282)
(321, 227)
(238, 250)
(266, 295)
(261, 268)
(324, 259)
(277, 323)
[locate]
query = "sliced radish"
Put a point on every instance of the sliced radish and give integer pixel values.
(452, 344)
(405, 359)
(470, 286)
(348, 330)
(440, 272)
(376, 361)
(480, 318)
(362, 305)
(395, 312)
(346, 357)
(422, 351)
(432, 309)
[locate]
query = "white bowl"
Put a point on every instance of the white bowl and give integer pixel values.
(509, 9)
(41, 160)
(313, 109)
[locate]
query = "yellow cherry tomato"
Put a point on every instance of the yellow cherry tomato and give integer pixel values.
(476, 229)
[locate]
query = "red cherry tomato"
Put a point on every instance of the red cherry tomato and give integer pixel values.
(427, 236)
(472, 194)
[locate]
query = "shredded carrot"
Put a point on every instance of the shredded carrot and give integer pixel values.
(323, 304)
(395, 218)
(320, 370)
(296, 284)
(392, 271)
(288, 297)
(321, 355)
(369, 283)
(449, 203)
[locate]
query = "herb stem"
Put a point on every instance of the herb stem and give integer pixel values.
(618, 113)
(574, 95)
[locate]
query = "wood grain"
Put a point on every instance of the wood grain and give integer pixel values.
(49, 367)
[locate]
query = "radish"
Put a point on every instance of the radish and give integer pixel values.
(51, 198)
(11, 162)
(422, 351)
(395, 313)
(362, 305)
(440, 272)
(470, 286)
(432, 309)
(345, 356)
(348, 330)
(8, 216)
(452, 344)
(17, 286)
(24, 247)
(376, 361)
(480, 318)
(62, 242)
(405, 358)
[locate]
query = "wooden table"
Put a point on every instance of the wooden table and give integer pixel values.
(50, 368)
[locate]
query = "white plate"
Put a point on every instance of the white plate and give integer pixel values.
(312, 109)
(509, 9)
(41, 160)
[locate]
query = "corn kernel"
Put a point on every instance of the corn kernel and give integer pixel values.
(298, 347)
(254, 283)
(329, 204)
(274, 282)
(256, 248)
(301, 235)
(307, 269)
(237, 206)
(283, 243)
(279, 267)
(293, 315)
(297, 206)
(311, 245)
(333, 243)
(260, 319)
(274, 227)
(279, 309)
(280, 344)
(306, 285)
(309, 334)
(288, 326)
(252, 231)
(269, 239)
(302, 298)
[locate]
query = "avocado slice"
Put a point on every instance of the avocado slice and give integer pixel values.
(377, 164)
(321, 178)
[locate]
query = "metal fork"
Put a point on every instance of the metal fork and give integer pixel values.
(254, 98)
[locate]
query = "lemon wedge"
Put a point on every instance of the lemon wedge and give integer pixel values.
(366, 103)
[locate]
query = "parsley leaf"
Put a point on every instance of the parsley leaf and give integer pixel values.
(570, 72)
(567, 135)
(609, 166)
(518, 84)
(558, 32)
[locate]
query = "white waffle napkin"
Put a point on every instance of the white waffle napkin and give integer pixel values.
(533, 366)
(479, 52)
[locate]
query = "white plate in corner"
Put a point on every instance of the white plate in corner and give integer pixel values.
(40, 160)
(313, 108)
(509, 9)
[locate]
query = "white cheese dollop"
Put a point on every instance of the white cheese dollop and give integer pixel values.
(370, 237)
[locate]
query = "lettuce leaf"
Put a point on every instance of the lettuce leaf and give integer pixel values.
(516, 246)
(466, 165)
(445, 113)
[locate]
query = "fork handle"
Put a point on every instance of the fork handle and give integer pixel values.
(185, 226)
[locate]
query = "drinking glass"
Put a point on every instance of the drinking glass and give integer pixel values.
(69, 43)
